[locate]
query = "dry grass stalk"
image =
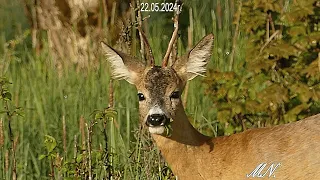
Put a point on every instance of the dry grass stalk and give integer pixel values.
(1, 134)
(75, 152)
(6, 164)
(219, 14)
(64, 132)
(271, 23)
(75, 147)
(82, 132)
(89, 139)
(190, 44)
(13, 142)
(14, 163)
(235, 36)
(111, 94)
(139, 18)
(266, 43)
(319, 61)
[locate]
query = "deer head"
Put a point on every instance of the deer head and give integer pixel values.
(160, 87)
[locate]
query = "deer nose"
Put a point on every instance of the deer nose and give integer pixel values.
(156, 120)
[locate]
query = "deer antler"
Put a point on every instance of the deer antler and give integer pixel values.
(173, 38)
(147, 46)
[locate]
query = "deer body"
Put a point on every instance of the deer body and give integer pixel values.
(290, 151)
(296, 146)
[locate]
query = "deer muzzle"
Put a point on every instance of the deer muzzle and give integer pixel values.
(157, 120)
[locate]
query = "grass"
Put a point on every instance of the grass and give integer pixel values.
(47, 97)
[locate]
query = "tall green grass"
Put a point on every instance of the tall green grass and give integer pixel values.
(47, 96)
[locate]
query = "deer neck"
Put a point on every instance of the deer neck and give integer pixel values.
(182, 132)
(185, 141)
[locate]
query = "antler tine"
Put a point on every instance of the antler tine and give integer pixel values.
(173, 38)
(148, 48)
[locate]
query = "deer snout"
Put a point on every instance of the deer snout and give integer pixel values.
(156, 120)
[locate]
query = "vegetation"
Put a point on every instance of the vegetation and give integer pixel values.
(64, 123)
(279, 80)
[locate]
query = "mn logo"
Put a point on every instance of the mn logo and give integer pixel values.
(262, 170)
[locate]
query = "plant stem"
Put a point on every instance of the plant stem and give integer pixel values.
(235, 36)
(9, 115)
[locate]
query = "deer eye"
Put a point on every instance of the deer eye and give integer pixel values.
(175, 95)
(141, 97)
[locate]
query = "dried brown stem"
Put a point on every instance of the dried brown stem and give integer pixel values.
(1, 134)
(319, 61)
(6, 163)
(52, 169)
(190, 44)
(219, 14)
(14, 168)
(271, 23)
(185, 95)
(111, 94)
(104, 13)
(139, 18)
(82, 132)
(270, 39)
(267, 28)
(64, 132)
(89, 130)
(75, 152)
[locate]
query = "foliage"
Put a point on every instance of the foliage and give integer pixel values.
(90, 162)
(10, 112)
(6, 97)
(279, 81)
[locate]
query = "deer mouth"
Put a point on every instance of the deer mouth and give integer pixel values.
(157, 123)
(156, 120)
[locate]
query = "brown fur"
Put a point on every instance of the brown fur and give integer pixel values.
(296, 146)
(191, 155)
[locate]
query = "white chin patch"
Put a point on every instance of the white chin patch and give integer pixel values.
(157, 129)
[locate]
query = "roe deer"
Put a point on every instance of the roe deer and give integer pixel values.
(290, 151)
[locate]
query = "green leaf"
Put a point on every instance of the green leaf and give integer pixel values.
(237, 109)
(50, 143)
(42, 156)
(7, 96)
(224, 116)
(229, 130)
(3, 112)
(98, 115)
(79, 158)
(297, 30)
(252, 94)
(291, 115)
(232, 93)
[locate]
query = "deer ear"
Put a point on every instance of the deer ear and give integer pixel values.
(195, 61)
(123, 66)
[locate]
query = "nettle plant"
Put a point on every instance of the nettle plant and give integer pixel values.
(279, 80)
